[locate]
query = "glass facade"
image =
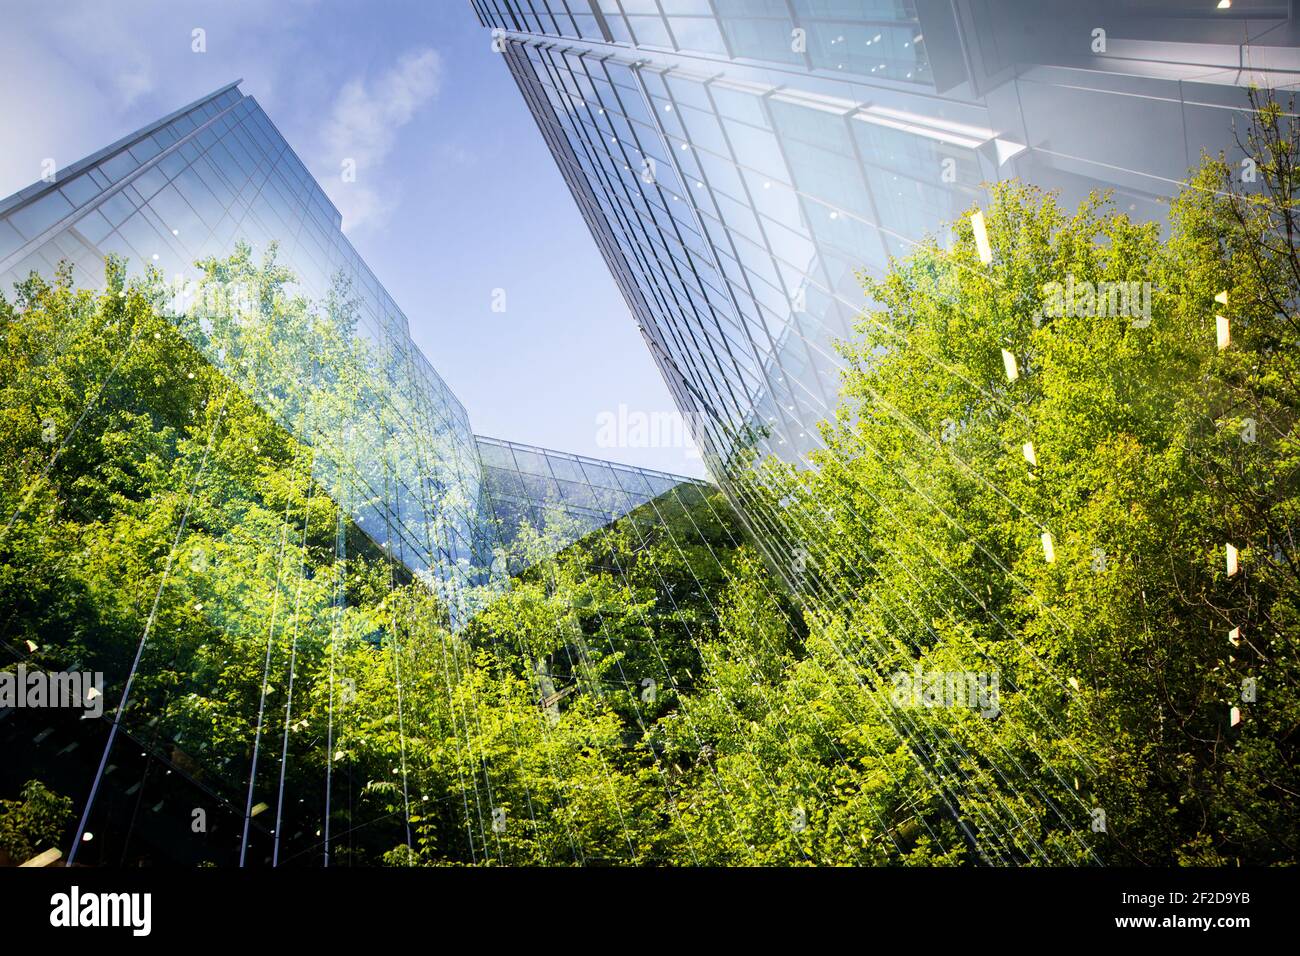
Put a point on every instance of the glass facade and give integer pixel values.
(272, 465)
(569, 495)
(189, 187)
(401, 454)
(740, 162)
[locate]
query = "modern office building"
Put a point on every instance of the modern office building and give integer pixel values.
(739, 162)
(389, 443)
(187, 188)
(571, 495)
(402, 455)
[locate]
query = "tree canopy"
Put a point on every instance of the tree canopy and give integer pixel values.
(1043, 610)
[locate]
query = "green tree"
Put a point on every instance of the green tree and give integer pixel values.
(1067, 527)
(34, 823)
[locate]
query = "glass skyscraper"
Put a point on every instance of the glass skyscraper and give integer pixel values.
(402, 457)
(193, 195)
(740, 162)
(258, 613)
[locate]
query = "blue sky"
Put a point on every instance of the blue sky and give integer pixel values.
(456, 194)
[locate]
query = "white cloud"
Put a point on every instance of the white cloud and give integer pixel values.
(133, 81)
(363, 126)
(454, 154)
(99, 37)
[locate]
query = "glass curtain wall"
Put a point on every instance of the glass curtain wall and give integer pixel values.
(742, 164)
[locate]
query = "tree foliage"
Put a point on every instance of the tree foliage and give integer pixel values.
(651, 694)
